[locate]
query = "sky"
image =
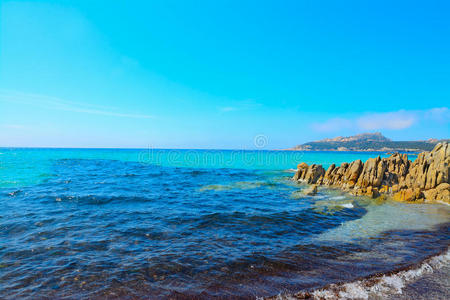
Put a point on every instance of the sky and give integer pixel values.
(221, 74)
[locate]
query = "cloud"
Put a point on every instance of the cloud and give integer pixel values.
(334, 124)
(395, 120)
(54, 103)
(228, 108)
(439, 114)
(14, 126)
(241, 105)
(391, 120)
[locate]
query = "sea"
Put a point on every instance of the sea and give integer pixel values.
(207, 224)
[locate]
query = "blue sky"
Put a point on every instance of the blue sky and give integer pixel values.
(215, 74)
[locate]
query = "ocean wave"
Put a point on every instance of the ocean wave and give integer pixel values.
(15, 193)
(240, 185)
(99, 199)
(337, 198)
(379, 285)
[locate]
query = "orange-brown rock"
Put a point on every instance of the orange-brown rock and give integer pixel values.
(427, 178)
(405, 195)
(440, 193)
(311, 174)
(354, 170)
(372, 172)
(302, 165)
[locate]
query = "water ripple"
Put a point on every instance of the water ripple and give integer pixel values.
(107, 228)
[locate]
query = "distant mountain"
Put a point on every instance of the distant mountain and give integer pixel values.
(369, 137)
(367, 142)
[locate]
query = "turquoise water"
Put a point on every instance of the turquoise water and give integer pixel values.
(20, 167)
(112, 223)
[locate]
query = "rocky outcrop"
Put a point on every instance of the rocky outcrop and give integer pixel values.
(309, 174)
(427, 178)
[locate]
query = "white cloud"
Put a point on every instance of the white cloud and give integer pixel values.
(14, 126)
(241, 105)
(228, 108)
(395, 120)
(334, 124)
(439, 114)
(391, 120)
(54, 103)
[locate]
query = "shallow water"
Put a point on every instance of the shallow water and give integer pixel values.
(96, 223)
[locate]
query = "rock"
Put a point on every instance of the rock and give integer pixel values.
(425, 178)
(314, 173)
(382, 197)
(418, 194)
(395, 188)
(353, 171)
(404, 195)
(328, 177)
(309, 174)
(430, 168)
(349, 184)
(311, 190)
(302, 165)
(431, 195)
(372, 172)
(384, 189)
(440, 193)
(372, 192)
(443, 186)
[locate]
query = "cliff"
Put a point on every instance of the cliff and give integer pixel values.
(427, 178)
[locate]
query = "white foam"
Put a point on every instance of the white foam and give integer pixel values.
(353, 291)
(337, 198)
(347, 205)
(384, 285)
(378, 287)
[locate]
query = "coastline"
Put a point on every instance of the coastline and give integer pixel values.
(388, 285)
(413, 182)
(386, 151)
(426, 179)
(372, 142)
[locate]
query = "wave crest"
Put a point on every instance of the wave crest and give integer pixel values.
(379, 285)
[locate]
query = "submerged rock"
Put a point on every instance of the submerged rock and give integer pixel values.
(312, 190)
(427, 178)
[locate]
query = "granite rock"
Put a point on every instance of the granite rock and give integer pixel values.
(427, 178)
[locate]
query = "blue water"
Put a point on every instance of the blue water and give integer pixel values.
(96, 223)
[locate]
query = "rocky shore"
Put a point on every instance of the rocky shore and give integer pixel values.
(395, 177)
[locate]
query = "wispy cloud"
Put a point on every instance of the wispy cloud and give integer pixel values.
(395, 120)
(334, 124)
(14, 126)
(440, 114)
(241, 105)
(228, 108)
(391, 120)
(54, 103)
